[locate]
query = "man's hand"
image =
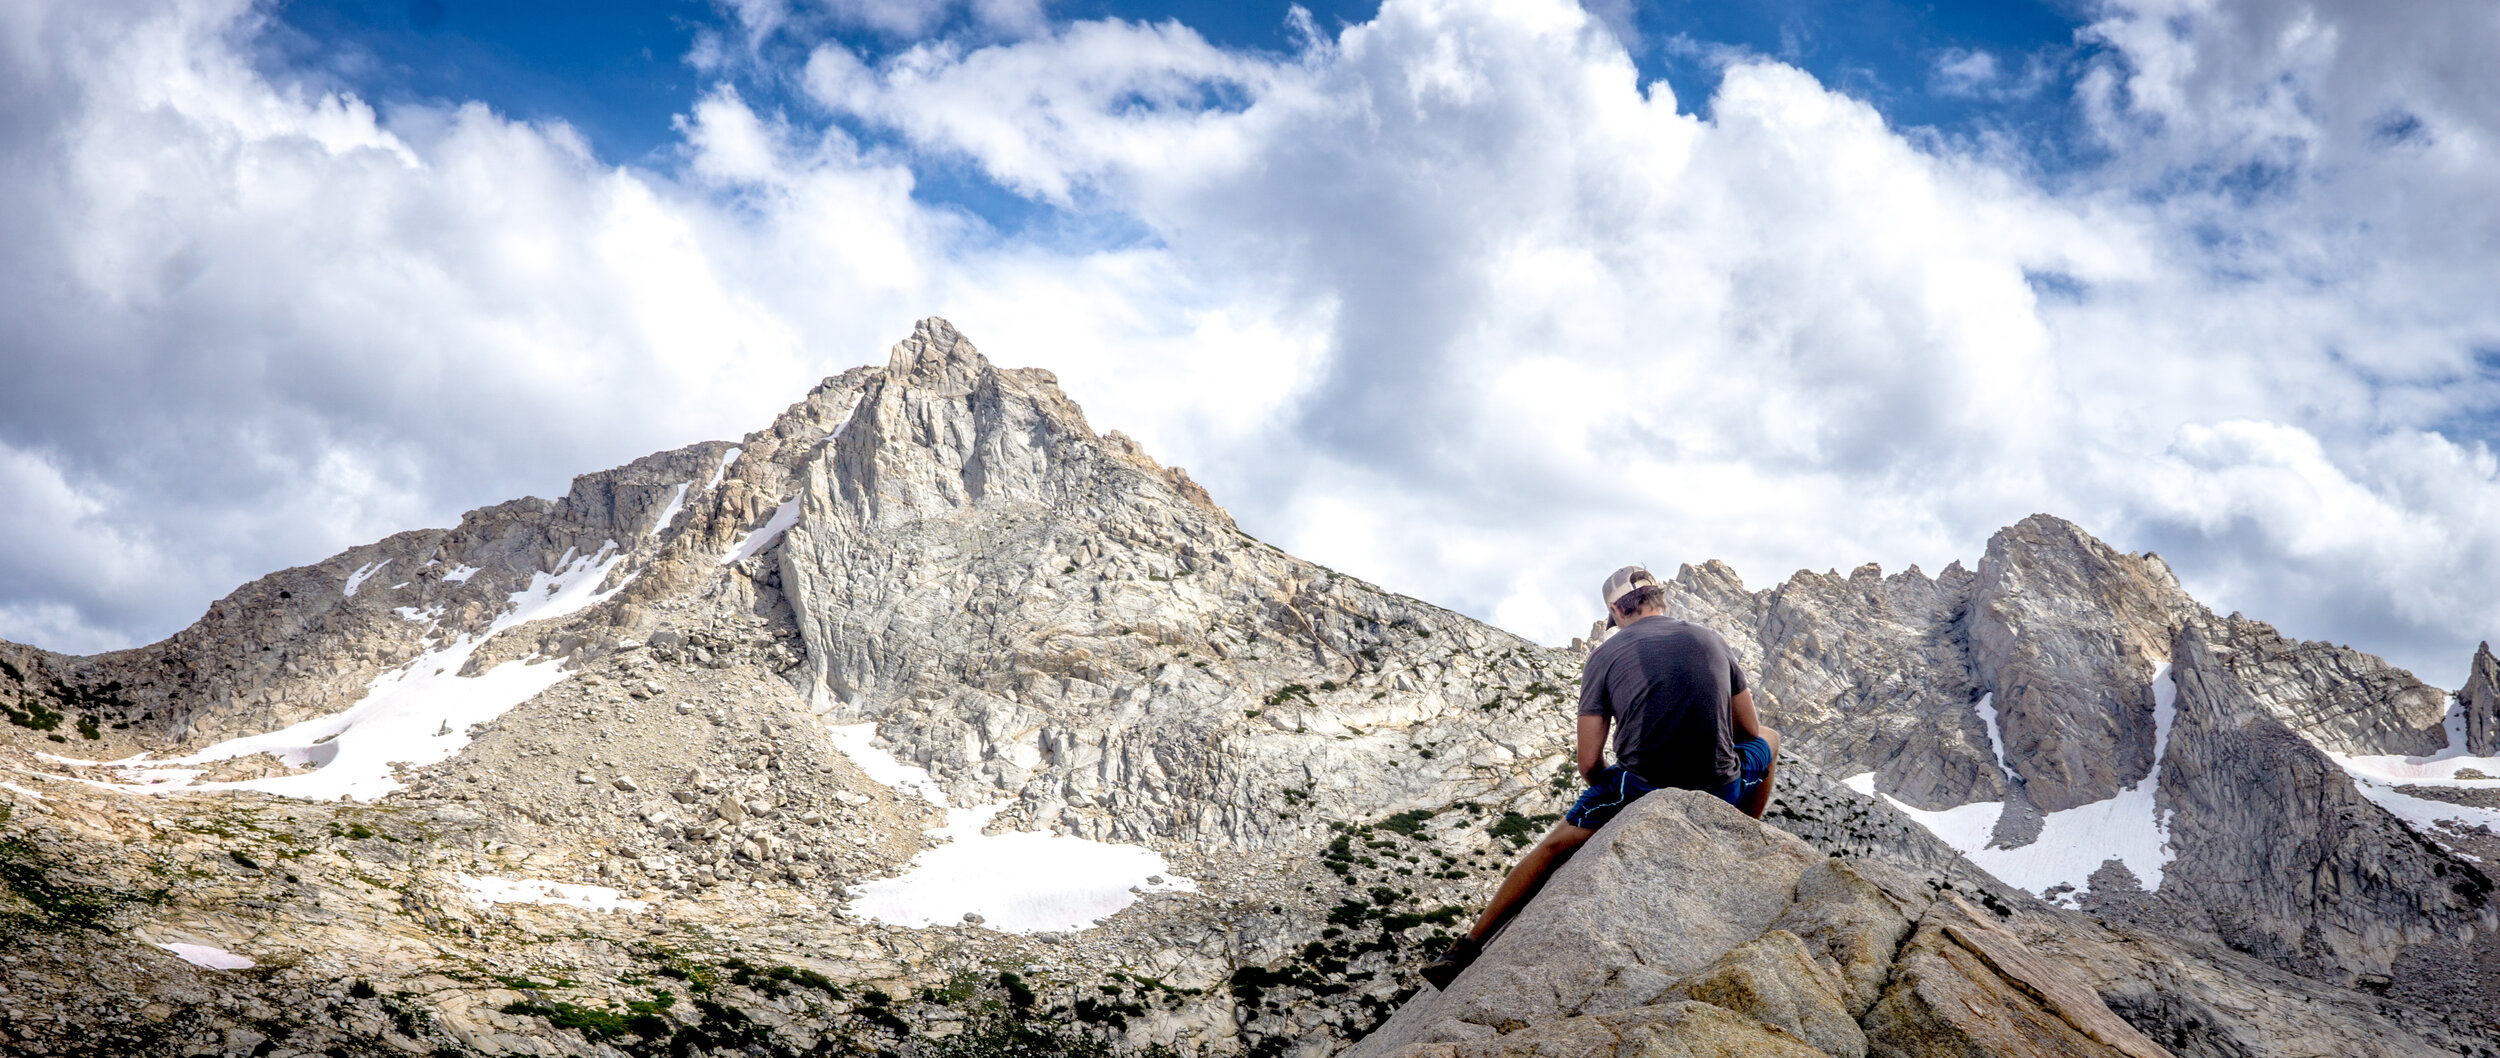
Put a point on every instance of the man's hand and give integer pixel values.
(1592, 747)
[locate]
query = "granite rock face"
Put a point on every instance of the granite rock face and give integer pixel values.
(2480, 702)
(1041, 613)
(2281, 854)
(2064, 632)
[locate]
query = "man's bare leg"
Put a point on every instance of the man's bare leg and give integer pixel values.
(1759, 801)
(1529, 876)
(1522, 883)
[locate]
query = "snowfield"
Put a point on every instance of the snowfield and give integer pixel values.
(2377, 777)
(1026, 882)
(2074, 842)
(414, 715)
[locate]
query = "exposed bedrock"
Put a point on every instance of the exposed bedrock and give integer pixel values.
(2480, 702)
(2283, 857)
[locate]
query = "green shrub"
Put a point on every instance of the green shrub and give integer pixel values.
(1410, 824)
(1288, 693)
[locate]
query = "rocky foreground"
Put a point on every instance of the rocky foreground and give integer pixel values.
(930, 721)
(1685, 928)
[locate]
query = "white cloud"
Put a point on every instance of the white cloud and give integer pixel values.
(1976, 73)
(1449, 301)
(1965, 72)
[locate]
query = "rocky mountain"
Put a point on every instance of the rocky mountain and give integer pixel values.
(929, 720)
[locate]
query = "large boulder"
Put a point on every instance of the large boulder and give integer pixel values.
(1685, 928)
(1661, 892)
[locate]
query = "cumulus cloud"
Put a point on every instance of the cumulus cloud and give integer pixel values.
(1450, 300)
(1976, 73)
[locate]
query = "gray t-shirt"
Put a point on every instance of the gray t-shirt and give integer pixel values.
(1665, 684)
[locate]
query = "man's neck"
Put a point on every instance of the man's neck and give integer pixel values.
(1627, 622)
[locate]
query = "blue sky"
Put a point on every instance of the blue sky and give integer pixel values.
(618, 71)
(1431, 291)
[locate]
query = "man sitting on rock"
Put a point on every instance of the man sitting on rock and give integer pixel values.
(1682, 717)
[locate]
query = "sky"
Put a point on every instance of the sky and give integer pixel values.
(1474, 299)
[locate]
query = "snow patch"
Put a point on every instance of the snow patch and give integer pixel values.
(411, 613)
(2437, 769)
(758, 540)
(2074, 842)
(357, 579)
(2378, 775)
(2421, 813)
(669, 514)
(1987, 709)
(722, 471)
(213, 958)
(354, 751)
(459, 574)
(1023, 882)
(1965, 827)
(859, 743)
(489, 891)
(15, 788)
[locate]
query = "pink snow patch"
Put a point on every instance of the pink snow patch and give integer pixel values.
(213, 958)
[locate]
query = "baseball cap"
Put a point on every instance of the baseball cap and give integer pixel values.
(1621, 581)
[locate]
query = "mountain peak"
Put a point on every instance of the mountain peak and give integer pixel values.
(935, 351)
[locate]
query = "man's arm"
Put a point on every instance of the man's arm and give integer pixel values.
(1740, 710)
(1593, 743)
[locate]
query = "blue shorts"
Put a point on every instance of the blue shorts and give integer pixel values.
(1617, 787)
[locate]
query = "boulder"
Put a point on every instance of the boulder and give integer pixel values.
(1684, 927)
(1964, 986)
(1666, 1030)
(1661, 892)
(1774, 979)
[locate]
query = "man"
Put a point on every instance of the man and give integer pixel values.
(1682, 716)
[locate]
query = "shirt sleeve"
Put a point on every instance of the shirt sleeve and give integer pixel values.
(1593, 698)
(1735, 676)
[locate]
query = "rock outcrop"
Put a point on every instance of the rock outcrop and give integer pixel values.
(2278, 851)
(2479, 700)
(1687, 928)
(1684, 928)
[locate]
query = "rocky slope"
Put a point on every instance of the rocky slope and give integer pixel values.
(727, 696)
